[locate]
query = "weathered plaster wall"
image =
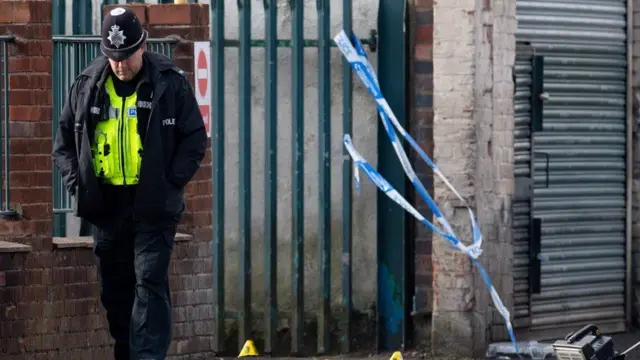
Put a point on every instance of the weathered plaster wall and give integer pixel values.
(473, 56)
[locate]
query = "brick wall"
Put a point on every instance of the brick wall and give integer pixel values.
(420, 40)
(421, 129)
(49, 306)
(472, 135)
(454, 148)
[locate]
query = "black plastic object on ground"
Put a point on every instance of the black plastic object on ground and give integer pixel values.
(590, 344)
(528, 350)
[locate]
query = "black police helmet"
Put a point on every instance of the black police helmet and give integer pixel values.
(122, 34)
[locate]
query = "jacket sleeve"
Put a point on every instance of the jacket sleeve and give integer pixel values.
(64, 145)
(191, 136)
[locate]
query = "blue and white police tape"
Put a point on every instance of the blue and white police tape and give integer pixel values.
(354, 53)
(357, 57)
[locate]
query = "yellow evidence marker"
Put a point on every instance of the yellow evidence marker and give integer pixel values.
(249, 349)
(396, 356)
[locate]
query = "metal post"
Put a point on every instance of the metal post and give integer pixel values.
(216, 34)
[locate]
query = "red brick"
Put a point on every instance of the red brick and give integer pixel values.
(424, 52)
(29, 64)
(41, 11)
(424, 34)
(30, 97)
(27, 31)
(167, 31)
(29, 81)
(35, 227)
(187, 33)
(6, 12)
(38, 243)
(29, 129)
(15, 12)
(37, 211)
(29, 113)
(424, 4)
(38, 48)
(22, 146)
(200, 203)
(31, 195)
(174, 14)
(20, 97)
(30, 179)
(203, 233)
(202, 218)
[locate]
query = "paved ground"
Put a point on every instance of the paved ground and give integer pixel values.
(621, 341)
(626, 340)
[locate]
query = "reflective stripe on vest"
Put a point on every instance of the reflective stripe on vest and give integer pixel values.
(117, 149)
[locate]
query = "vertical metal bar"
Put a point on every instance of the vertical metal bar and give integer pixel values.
(86, 52)
(392, 229)
(537, 79)
(82, 17)
(7, 136)
(244, 115)
(347, 128)
(57, 94)
(5, 105)
(59, 20)
(297, 176)
(535, 235)
(629, 167)
(271, 174)
(216, 34)
(64, 74)
(324, 179)
(58, 28)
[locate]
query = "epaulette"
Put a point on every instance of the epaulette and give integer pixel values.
(178, 70)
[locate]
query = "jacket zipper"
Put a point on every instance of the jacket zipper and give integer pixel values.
(122, 154)
(155, 95)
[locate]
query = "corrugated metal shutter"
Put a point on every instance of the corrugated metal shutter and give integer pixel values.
(521, 211)
(583, 209)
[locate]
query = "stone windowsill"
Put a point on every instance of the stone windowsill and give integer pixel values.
(11, 247)
(74, 242)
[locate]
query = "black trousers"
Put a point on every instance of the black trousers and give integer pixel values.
(133, 272)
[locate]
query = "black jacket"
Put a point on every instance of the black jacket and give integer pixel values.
(174, 140)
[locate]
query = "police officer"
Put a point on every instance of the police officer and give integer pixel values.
(130, 138)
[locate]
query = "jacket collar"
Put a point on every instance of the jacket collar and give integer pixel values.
(155, 65)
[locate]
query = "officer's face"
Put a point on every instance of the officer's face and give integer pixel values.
(128, 68)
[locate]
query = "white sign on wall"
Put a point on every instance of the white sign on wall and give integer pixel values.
(201, 66)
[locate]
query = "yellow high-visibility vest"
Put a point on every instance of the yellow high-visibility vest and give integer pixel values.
(117, 148)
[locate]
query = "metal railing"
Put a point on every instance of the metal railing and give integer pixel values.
(5, 190)
(243, 309)
(71, 54)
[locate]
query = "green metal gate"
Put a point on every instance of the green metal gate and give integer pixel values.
(71, 54)
(392, 298)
